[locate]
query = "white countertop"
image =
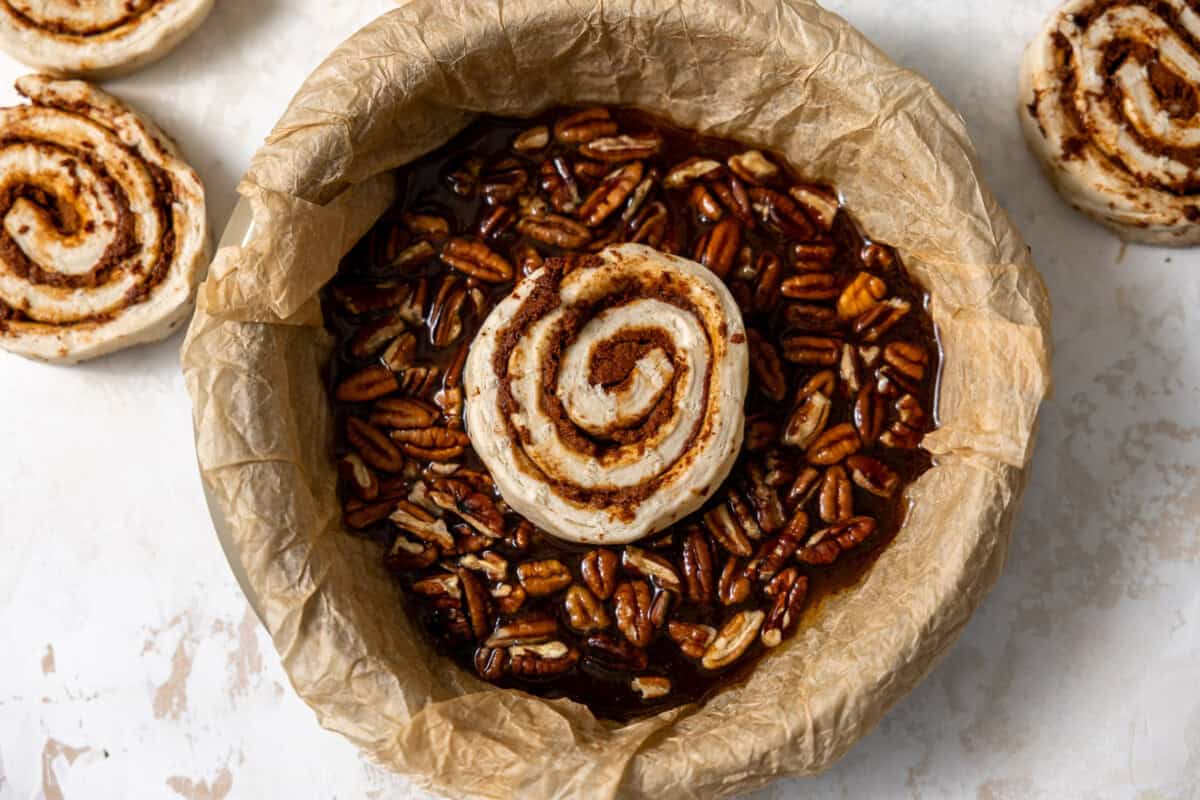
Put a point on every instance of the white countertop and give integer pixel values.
(131, 666)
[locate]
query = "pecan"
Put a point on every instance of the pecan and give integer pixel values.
(418, 381)
(819, 203)
(909, 358)
(860, 295)
(420, 523)
(767, 368)
(400, 354)
(824, 546)
(697, 561)
(878, 256)
(732, 641)
(732, 194)
(813, 404)
(463, 176)
(705, 204)
(431, 443)
(495, 222)
(837, 496)
(811, 286)
(414, 255)
(767, 508)
(403, 412)
(632, 601)
(476, 601)
(358, 476)
(775, 552)
(692, 639)
(412, 310)
(744, 515)
(529, 630)
(803, 487)
(873, 475)
(372, 336)
(599, 570)
(405, 554)
(724, 527)
(366, 385)
(557, 179)
(649, 565)
(694, 169)
(529, 259)
(788, 589)
(373, 445)
(475, 508)
(811, 350)
(363, 298)
(509, 598)
(870, 411)
(474, 258)
(556, 230)
(881, 318)
(906, 432)
(446, 314)
(719, 246)
(585, 169)
(813, 257)
(834, 445)
(850, 368)
(491, 564)
(445, 584)
(503, 181)
(650, 226)
(770, 274)
(543, 577)
(638, 197)
(541, 660)
(521, 536)
(660, 609)
(651, 687)
(491, 663)
(584, 126)
(614, 652)
(782, 213)
(531, 139)
(733, 586)
(780, 471)
(812, 318)
(359, 515)
(623, 147)
(584, 612)
(428, 226)
(753, 167)
(761, 433)
(611, 193)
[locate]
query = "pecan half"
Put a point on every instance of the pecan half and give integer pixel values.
(556, 230)
(544, 577)
(358, 515)
(532, 139)
(615, 652)
(775, 552)
(401, 353)
(372, 336)
(610, 194)
(420, 523)
(753, 167)
(834, 445)
(734, 585)
(651, 687)
(727, 531)
(406, 554)
(732, 641)
(599, 571)
(782, 213)
(476, 259)
(584, 612)
(688, 172)
(363, 298)
(475, 508)
(705, 204)
(692, 639)
(529, 630)
(373, 445)
(870, 412)
(811, 286)
(824, 546)
(584, 126)
(788, 588)
(881, 318)
(719, 247)
(403, 412)
(767, 368)
(491, 564)
(541, 660)
(818, 351)
(367, 385)
(909, 358)
(476, 603)
(860, 295)
(768, 511)
(491, 663)
(358, 476)
(821, 204)
(837, 496)
(770, 275)
(432, 443)
(697, 561)
(813, 404)
(622, 148)
(873, 475)
(803, 487)
(649, 565)
(632, 601)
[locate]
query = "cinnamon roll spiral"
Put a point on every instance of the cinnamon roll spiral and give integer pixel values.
(96, 37)
(1110, 95)
(103, 233)
(607, 400)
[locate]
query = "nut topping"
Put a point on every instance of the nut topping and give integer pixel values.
(584, 612)
(733, 639)
(543, 577)
(632, 601)
(599, 570)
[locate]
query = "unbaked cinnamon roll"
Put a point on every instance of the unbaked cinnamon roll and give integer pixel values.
(103, 233)
(96, 38)
(607, 400)
(1110, 95)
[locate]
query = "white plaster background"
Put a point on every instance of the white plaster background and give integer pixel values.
(131, 666)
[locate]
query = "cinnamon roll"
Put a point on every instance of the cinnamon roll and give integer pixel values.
(607, 400)
(1110, 95)
(96, 38)
(103, 233)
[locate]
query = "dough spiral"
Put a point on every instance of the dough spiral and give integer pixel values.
(103, 232)
(607, 401)
(96, 38)
(1110, 97)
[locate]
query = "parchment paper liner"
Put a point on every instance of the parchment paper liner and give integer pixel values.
(779, 73)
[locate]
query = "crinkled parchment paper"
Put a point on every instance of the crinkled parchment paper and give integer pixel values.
(779, 73)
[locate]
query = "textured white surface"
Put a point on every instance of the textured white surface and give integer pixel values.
(130, 665)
